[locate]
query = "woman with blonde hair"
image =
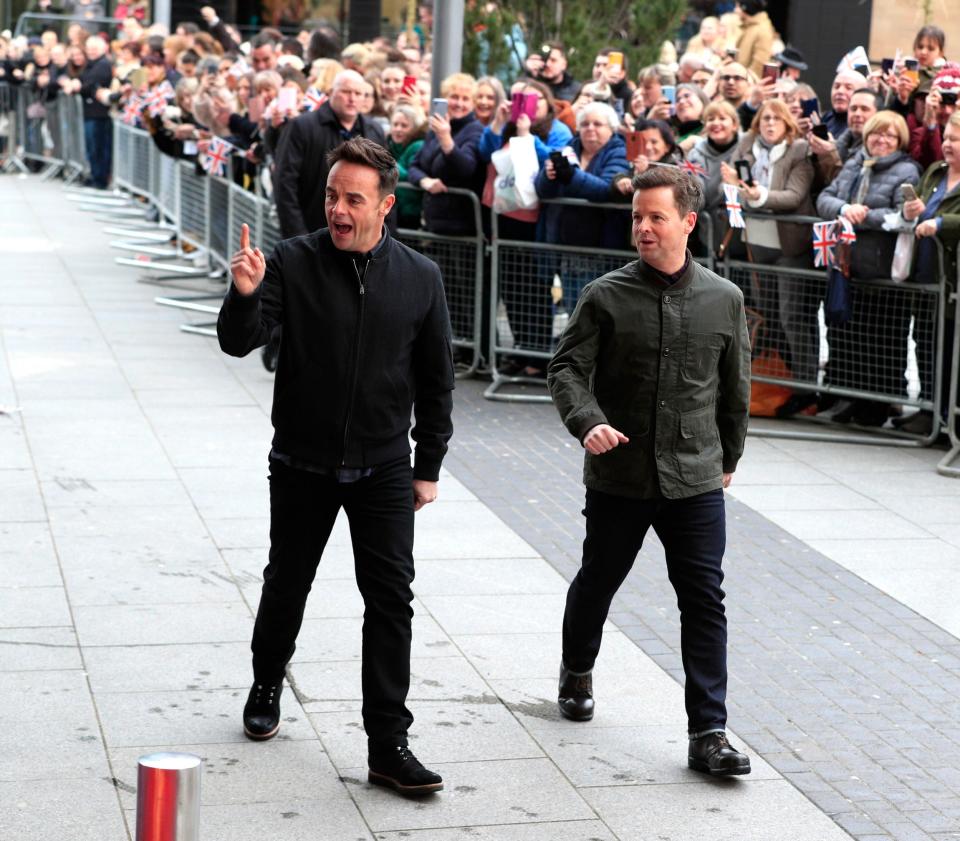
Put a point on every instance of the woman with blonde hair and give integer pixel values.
(322, 73)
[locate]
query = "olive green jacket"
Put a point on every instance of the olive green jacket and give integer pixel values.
(669, 367)
(949, 211)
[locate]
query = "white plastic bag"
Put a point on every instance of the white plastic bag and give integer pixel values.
(517, 168)
(902, 256)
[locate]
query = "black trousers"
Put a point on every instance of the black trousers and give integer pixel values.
(693, 533)
(303, 509)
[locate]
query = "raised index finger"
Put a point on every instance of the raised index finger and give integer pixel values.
(244, 236)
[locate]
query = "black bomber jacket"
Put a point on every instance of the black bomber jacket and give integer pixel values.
(360, 350)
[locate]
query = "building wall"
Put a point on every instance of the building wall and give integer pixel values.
(895, 23)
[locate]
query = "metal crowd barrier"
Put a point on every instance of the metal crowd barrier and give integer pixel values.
(533, 291)
(46, 131)
(461, 262)
(947, 466)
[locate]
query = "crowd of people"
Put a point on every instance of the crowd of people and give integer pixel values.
(883, 153)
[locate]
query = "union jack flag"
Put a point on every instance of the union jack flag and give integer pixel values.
(693, 168)
(166, 89)
(734, 208)
(313, 99)
(848, 235)
(131, 111)
(156, 102)
(218, 153)
(824, 241)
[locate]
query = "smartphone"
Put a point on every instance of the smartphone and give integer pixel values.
(286, 99)
(911, 69)
(614, 59)
(409, 85)
(516, 106)
(809, 107)
(669, 93)
(771, 71)
(862, 69)
(255, 108)
(948, 97)
(886, 66)
(908, 192)
(634, 145)
(545, 51)
(821, 131)
(562, 167)
(529, 105)
(618, 106)
(743, 172)
(731, 52)
(439, 107)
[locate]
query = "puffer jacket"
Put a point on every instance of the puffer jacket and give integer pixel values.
(586, 226)
(872, 253)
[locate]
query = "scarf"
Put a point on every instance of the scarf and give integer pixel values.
(765, 155)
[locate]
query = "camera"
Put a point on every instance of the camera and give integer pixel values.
(562, 167)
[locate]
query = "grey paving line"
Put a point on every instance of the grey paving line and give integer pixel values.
(846, 692)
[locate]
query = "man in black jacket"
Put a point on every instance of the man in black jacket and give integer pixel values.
(301, 159)
(366, 339)
(97, 127)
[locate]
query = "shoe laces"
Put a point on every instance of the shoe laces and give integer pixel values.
(406, 755)
(583, 684)
(270, 691)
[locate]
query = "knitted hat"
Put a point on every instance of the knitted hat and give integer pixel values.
(948, 79)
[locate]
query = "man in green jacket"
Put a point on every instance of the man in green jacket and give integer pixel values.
(652, 376)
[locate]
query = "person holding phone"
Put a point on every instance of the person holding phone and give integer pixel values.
(450, 157)
(869, 188)
(780, 175)
(844, 84)
(936, 213)
(722, 133)
(832, 154)
(549, 65)
(596, 155)
(926, 139)
(657, 145)
(610, 66)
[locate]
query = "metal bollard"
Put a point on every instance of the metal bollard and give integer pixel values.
(168, 797)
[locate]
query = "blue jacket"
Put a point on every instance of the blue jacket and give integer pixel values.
(445, 214)
(587, 226)
(558, 137)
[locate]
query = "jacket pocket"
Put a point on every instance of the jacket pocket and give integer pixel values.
(699, 453)
(701, 357)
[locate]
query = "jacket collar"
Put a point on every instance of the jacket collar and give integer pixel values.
(647, 274)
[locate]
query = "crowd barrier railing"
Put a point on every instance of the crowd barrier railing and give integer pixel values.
(47, 131)
(947, 465)
(894, 325)
(534, 286)
(461, 262)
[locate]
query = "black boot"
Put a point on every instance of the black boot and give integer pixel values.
(575, 697)
(396, 767)
(261, 715)
(712, 754)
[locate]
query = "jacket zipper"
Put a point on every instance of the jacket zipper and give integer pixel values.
(356, 359)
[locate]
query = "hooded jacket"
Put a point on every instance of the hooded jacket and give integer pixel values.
(360, 350)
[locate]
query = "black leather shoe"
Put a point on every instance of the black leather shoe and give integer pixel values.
(575, 697)
(712, 754)
(269, 355)
(399, 769)
(261, 715)
(919, 423)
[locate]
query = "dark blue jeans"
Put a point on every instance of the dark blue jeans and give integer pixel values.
(693, 533)
(98, 137)
(379, 508)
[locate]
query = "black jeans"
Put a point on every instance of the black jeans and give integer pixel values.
(303, 508)
(693, 533)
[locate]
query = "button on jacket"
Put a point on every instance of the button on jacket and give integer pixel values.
(361, 348)
(669, 367)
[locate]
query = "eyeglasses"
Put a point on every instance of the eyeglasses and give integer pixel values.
(733, 78)
(771, 118)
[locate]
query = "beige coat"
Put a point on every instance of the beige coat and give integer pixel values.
(756, 43)
(791, 178)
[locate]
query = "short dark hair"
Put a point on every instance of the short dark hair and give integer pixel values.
(934, 33)
(188, 26)
(687, 189)
(877, 99)
(360, 150)
(264, 39)
(189, 57)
